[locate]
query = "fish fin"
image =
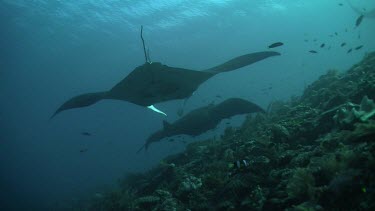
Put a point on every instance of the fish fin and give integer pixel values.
(152, 107)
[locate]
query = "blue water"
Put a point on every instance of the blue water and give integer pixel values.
(52, 50)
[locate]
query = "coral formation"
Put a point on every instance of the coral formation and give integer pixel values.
(315, 152)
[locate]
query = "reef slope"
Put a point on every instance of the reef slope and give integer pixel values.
(314, 152)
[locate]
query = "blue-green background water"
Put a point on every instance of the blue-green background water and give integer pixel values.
(52, 50)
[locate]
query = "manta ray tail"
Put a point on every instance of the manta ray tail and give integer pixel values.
(81, 101)
(242, 61)
(144, 146)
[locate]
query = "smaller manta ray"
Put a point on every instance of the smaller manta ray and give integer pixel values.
(203, 119)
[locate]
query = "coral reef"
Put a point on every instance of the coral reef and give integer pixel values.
(315, 152)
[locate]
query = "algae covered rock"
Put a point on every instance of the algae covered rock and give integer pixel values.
(190, 183)
(348, 115)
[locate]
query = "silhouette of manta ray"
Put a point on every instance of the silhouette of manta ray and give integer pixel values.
(365, 13)
(203, 119)
(154, 82)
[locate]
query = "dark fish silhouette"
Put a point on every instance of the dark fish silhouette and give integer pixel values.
(312, 51)
(359, 20)
(322, 45)
(350, 50)
(343, 44)
(154, 82)
(83, 150)
(340, 4)
(276, 44)
(86, 134)
(358, 47)
(203, 119)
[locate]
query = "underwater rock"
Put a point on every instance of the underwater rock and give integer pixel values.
(308, 206)
(301, 184)
(260, 163)
(147, 202)
(280, 133)
(350, 113)
(229, 155)
(255, 200)
(167, 201)
(190, 183)
(363, 132)
(366, 110)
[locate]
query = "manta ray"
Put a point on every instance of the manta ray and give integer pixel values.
(365, 13)
(203, 119)
(154, 82)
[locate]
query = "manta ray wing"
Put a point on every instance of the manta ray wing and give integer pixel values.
(242, 61)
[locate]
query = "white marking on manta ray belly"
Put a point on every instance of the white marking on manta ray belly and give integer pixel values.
(152, 107)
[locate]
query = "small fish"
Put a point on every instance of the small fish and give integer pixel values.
(340, 4)
(358, 47)
(359, 20)
(312, 51)
(306, 40)
(83, 150)
(86, 134)
(276, 44)
(322, 45)
(336, 33)
(171, 140)
(343, 44)
(218, 96)
(350, 50)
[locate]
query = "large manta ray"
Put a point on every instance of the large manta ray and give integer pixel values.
(365, 13)
(154, 82)
(203, 119)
